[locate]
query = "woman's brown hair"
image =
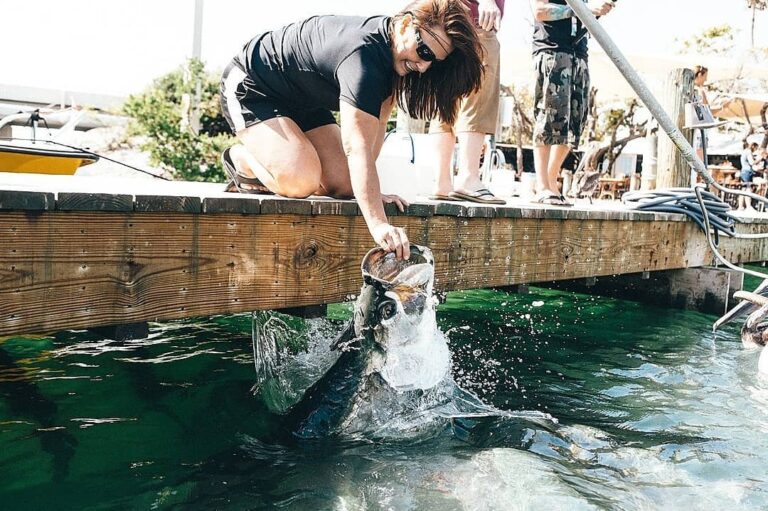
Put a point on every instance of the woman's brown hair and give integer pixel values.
(699, 70)
(437, 92)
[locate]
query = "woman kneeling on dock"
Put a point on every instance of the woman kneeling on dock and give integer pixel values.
(278, 93)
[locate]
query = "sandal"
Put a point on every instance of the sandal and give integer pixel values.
(441, 197)
(482, 196)
(237, 180)
(552, 199)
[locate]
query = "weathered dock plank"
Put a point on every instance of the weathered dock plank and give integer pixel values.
(75, 256)
(26, 200)
(176, 203)
(69, 201)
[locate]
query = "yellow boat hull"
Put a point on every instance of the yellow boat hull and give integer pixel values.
(42, 160)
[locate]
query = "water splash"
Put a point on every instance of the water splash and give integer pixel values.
(289, 354)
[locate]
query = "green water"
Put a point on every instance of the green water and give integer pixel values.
(653, 413)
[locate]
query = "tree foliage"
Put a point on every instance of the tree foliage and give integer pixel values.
(161, 114)
(717, 39)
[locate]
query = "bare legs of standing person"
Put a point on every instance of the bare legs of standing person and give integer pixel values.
(443, 146)
(548, 161)
(468, 162)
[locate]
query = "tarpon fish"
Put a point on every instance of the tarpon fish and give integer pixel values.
(391, 348)
(754, 332)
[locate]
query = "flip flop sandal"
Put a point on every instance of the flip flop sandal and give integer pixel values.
(552, 200)
(482, 196)
(441, 197)
(237, 180)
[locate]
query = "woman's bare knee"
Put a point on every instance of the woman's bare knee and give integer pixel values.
(297, 189)
(298, 180)
(291, 165)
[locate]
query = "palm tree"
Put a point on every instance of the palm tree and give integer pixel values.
(755, 5)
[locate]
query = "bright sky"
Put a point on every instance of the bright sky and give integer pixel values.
(117, 46)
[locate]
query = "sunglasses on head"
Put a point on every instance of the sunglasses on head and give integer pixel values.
(422, 50)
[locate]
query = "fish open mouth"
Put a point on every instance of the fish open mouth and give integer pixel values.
(408, 281)
(385, 268)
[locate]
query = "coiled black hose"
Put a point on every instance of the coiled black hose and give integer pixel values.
(684, 201)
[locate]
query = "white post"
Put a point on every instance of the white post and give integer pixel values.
(197, 36)
(650, 158)
(197, 52)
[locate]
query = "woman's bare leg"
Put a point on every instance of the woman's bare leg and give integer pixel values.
(443, 144)
(334, 178)
(278, 153)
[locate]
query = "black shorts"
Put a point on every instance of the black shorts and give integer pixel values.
(243, 105)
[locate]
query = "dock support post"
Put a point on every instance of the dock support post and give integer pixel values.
(672, 169)
(129, 332)
(706, 289)
(709, 290)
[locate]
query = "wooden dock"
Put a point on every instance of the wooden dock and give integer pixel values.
(84, 252)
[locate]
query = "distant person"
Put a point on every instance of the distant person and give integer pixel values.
(700, 74)
(760, 166)
(747, 174)
(561, 94)
(477, 117)
(278, 93)
(761, 160)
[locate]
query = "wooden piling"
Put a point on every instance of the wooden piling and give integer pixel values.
(672, 169)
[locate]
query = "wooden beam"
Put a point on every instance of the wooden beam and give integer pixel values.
(672, 169)
(76, 269)
(75, 254)
(709, 290)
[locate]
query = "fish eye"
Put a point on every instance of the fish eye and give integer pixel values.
(387, 309)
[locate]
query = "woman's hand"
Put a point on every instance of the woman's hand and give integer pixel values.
(395, 199)
(488, 15)
(358, 133)
(392, 239)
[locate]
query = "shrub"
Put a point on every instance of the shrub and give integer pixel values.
(158, 114)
